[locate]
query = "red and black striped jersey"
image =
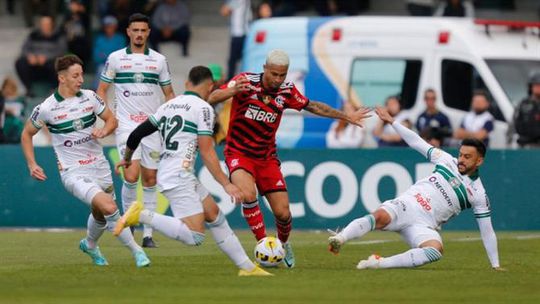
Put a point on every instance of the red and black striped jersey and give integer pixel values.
(256, 114)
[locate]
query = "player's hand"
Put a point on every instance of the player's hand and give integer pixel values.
(384, 115)
(241, 84)
(237, 196)
(37, 172)
(357, 118)
(122, 163)
(499, 269)
(98, 133)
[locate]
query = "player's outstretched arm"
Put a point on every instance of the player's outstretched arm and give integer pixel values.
(490, 241)
(134, 139)
(211, 161)
(111, 123)
(322, 109)
(102, 89)
(168, 92)
(234, 87)
(28, 149)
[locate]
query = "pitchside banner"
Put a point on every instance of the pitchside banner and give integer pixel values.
(327, 188)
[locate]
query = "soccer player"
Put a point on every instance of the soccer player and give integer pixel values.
(417, 214)
(138, 74)
(185, 125)
(250, 152)
(70, 115)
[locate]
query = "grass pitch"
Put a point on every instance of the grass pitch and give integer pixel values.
(47, 267)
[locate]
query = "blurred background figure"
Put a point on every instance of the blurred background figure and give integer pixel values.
(420, 7)
(121, 10)
(527, 115)
(478, 122)
(432, 122)
(344, 135)
(12, 119)
(170, 22)
(240, 15)
(223, 109)
(76, 27)
(384, 134)
(106, 42)
(455, 8)
(31, 8)
(40, 49)
(263, 10)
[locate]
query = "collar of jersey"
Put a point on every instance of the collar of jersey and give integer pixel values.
(128, 50)
(192, 93)
(59, 97)
(475, 175)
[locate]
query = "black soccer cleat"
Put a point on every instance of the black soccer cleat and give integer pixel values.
(148, 242)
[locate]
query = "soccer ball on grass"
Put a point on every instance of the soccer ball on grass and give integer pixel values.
(269, 252)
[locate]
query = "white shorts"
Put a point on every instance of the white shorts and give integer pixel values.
(87, 181)
(414, 223)
(186, 198)
(147, 152)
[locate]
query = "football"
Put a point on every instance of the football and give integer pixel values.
(269, 252)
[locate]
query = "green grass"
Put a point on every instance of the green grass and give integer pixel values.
(46, 267)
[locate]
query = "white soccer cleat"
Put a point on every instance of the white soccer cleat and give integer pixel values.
(372, 262)
(335, 241)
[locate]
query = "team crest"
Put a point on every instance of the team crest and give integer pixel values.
(454, 182)
(138, 77)
(280, 101)
(78, 124)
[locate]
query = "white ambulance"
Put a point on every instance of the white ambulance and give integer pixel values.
(366, 59)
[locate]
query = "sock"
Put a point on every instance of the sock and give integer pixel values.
(283, 229)
(254, 217)
(358, 227)
(411, 258)
(125, 236)
(129, 194)
(229, 243)
(94, 230)
(150, 203)
(171, 227)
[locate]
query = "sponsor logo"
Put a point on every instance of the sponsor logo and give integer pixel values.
(88, 109)
(57, 108)
(443, 192)
(181, 106)
(126, 66)
(87, 161)
(154, 155)
(234, 162)
(231, 84)
(299, 98)
(150, 60)
(78, 124)
(151, 67)
(138, 118)
(206, 117)
(399, 204)
(68, 143)
(61, 116)
(424, 202)
(256, 114)
(137, 94)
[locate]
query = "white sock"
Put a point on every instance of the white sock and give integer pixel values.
(411, 258)
(150, 203)
(125, 236)
(358, 227)
(94, 230)
(129, 194)
(171, 227)
(229, 243)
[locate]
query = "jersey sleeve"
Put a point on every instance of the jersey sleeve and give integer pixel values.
(205, 123)
(231, 82)
(154, 118)
(38, 117)
(297, 101)
(481, 207)
(434, 155)
(488, 126)
(165, 74)
(99, 104)
(109, 72)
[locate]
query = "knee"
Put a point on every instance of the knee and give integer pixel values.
(250, 196)
(282, 214)
(382, 218)
(131, 178)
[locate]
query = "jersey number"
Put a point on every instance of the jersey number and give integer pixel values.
(169, 127)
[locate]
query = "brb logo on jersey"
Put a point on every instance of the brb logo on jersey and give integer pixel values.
(255, 113)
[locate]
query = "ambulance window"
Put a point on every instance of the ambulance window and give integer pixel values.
(373, 80)
(459, 80)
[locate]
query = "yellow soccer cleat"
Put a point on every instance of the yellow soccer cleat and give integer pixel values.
(255, 272)
(130, 218)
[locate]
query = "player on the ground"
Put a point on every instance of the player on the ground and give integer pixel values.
(185, 125)
(250, 152)
(70, 115)
(139, 75)
(417, 214)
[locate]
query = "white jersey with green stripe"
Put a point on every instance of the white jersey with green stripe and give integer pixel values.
(70, 122)
(447, 191)
(137, 79)
(179, 122)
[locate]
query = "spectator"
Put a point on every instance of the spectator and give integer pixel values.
(432, 122)
(344, 135)
(455, 8)
(170, 22)
(31, 8)
(121, 10)
(527, 115)
(263, 10)
(108, 41)
(39, 51)
(76, 27)
(420, 7)
(222, 110)
(239, 12)
(14, 105)
(2, 115)
(383, 132)
(478, 123)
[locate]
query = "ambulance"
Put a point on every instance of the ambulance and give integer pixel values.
(365, 59)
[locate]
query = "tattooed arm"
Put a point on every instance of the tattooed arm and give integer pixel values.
(322, 109)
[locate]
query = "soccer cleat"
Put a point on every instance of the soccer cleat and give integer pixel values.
(148, 242)
(141, 260)
(334, 243)
(288, 260)
(130, 218)
(95, 254)
(255, 272)
(371, 263)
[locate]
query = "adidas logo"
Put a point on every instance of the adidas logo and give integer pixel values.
(279, 183)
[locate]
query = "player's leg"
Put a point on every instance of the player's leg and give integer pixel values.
(150, 148)
(131, 174)
(95, 227)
